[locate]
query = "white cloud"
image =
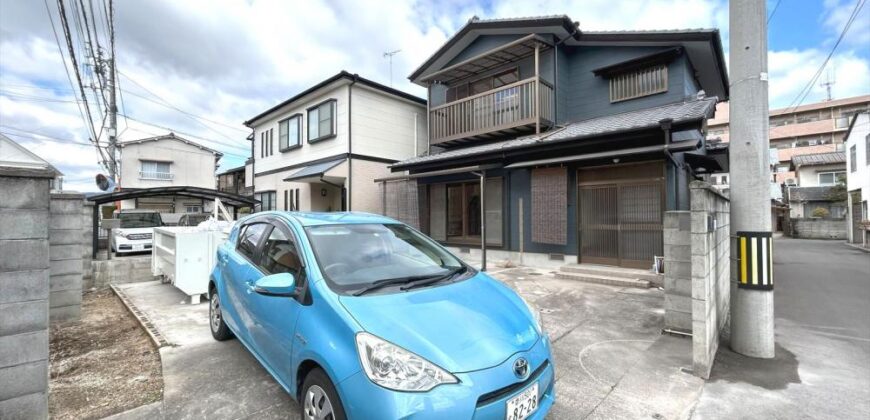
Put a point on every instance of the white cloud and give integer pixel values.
(228, 60)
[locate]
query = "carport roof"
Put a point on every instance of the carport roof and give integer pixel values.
(234, 200)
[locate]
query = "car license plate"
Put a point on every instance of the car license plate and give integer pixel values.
(523, 405)
(139, 247)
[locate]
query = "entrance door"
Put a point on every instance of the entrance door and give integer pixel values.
(621, 212)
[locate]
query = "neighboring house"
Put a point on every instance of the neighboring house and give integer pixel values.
(11, 151)
(858, 179)
(321, 149)
(816, 176)
(584, 138)
(165, 161)
(808, 129)
(234, 181)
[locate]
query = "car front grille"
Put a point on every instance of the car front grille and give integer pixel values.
(500, 393)
(138, 236)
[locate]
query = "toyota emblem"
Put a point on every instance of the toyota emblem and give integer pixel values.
(521, 367)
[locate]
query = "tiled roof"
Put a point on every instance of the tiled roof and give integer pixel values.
(819, 159)
(786, 155)
(680, 112)
(809, 193)
(170, 136)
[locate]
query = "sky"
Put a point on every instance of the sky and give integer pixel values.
(202, 67)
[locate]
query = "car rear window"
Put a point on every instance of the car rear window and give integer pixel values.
(140, 220)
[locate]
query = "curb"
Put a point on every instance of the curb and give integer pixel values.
(860, 248)
(156, 337)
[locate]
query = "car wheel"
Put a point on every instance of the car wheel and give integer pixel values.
(219, 329)
(319, 399)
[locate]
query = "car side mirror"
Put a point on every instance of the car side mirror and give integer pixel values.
(281, 284)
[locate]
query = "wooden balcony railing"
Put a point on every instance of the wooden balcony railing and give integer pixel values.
(510, 106)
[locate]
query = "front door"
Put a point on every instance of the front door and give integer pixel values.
(621, 211)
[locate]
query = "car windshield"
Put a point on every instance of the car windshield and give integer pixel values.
(140, 220)
(353, 257)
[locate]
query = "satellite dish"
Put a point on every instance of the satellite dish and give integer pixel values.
(105, 183)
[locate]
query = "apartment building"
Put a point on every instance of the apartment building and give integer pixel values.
(561, 144)
(321, 149)
(808, 129)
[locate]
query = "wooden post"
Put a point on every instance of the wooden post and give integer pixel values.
(537, 89)
(482, 220)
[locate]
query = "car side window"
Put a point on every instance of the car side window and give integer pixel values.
(249, 238)
(280, 255)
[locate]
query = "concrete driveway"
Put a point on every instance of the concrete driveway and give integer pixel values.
(611, 360)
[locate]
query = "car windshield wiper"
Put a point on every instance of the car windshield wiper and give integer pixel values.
(434, 280)
(393, 281)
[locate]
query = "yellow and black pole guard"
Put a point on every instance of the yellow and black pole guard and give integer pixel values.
(756, 260)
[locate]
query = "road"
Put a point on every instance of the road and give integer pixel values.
(822, 364)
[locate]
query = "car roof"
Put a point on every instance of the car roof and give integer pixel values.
(331, 218)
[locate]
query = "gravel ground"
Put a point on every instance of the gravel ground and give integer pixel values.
(102, 364)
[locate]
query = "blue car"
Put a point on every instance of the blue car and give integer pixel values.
(359, 316)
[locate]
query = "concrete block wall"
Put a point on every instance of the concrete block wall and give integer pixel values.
(678, 270)
(87, 239)
(65, 256)
(24, 293)
(710, 273)
(819, 228)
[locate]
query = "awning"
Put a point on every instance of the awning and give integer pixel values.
(234, 200)
(315, 172)
(682, 146)
(491, 59)
(466, 169)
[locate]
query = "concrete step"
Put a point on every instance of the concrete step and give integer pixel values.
(606, 270)
(603, 279)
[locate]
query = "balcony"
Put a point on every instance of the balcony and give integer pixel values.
(512, 109)
(159, 176)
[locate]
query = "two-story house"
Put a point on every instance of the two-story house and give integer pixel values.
(817, 175)
(321, 149)
(165, 161)
(562, 144)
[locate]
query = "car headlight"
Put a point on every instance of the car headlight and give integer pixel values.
(393, 367)
(536, 314)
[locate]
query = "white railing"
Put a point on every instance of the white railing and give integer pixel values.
(506, 107)
(161, 176)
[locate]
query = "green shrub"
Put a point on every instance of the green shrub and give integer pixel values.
(820, 212)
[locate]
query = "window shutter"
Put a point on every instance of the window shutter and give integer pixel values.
(550, 206)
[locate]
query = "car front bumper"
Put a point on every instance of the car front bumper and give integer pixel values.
(123, 245)
(481, 394)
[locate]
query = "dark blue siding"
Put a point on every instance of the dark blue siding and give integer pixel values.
(587, 96)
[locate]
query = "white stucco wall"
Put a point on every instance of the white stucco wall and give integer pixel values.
(859, 180)
(189, 164)
(808, 176)
(385, 126)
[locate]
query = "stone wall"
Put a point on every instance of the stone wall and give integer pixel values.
(87, 245)
(678, 270)
(711, 273)
(811, 228)
(65, 254)
(24, 293)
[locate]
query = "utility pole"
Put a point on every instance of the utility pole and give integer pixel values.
(113, 108)
(752, 321)
(390, 54)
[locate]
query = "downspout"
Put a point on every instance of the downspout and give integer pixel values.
(349, 189)
(665, 125)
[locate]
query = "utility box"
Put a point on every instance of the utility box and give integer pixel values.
(186, 256)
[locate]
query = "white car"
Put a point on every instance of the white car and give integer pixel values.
(136, 231)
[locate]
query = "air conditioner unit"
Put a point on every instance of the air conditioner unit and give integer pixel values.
(791, 182)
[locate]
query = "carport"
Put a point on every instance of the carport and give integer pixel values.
(228, 199)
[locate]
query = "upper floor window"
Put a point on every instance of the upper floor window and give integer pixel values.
(290, 133)
(266, 143)
(321, 121)
(150, 169)
(639, 83)
(466, 89)
(831, 178)
(867, 148)
(853, 158)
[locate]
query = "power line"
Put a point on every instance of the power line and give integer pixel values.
(171, 107)
(189, 114)
(68, 36)
(773, 12)
(42, 137)
(194, 136)
(799, 99)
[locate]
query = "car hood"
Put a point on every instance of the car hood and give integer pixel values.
(465, 326)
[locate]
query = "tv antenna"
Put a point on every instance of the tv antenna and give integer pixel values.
(830, 79)
(390, 54)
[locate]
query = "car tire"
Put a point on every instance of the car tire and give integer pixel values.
(219, 329)
(319, 400)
